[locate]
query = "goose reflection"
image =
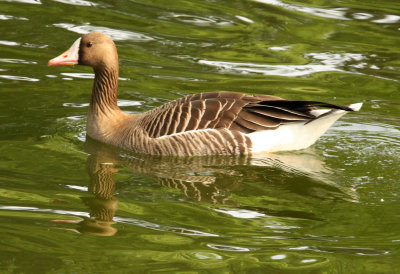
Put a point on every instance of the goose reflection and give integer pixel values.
(102, 203)
(195, 177)
(206, 179)
(209, 179)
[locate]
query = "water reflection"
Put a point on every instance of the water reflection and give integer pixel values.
(196, 177)
(207, 179)
(102, 204)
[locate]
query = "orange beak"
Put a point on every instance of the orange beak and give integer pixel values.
(70, 57)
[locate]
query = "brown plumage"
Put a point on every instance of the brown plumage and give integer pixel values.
(201, 124)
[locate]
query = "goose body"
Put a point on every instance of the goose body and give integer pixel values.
(214, 123)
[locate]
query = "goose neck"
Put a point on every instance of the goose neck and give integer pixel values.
(104, 94)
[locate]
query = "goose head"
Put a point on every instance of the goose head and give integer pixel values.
(94, 49)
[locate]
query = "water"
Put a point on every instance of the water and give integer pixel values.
(69, 204)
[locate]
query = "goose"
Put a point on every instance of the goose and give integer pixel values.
(210, 123)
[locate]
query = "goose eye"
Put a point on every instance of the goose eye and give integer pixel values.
(89, 44)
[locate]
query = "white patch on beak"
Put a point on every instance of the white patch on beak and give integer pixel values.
(70, 57)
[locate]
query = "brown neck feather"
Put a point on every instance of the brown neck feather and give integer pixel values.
(104, 93)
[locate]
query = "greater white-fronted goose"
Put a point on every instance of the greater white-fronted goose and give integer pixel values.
(215, 123)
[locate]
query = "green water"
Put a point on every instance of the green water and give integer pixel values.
(70, 205)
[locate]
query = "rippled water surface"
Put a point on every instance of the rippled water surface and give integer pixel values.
(71, 205)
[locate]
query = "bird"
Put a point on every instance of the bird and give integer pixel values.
(209, 123)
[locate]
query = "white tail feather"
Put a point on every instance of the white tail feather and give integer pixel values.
(296, 136)
(356, 106)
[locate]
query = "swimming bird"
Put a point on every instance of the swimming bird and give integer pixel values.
(211, 123)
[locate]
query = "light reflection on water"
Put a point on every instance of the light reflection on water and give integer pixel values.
(327, 62)
(16, 61)
(82, 75)
(244, 19)
(198, 20)
(9, 43)
(48, 210)
(115, 34)
(230, 248)
(26, 45)
(338, 13)
(388, 19)
(78, 2)
(141, 223)
(369, 138)
(121, 103)
(241, 213)
(38, 2)
(10, 17)
(19, 78)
